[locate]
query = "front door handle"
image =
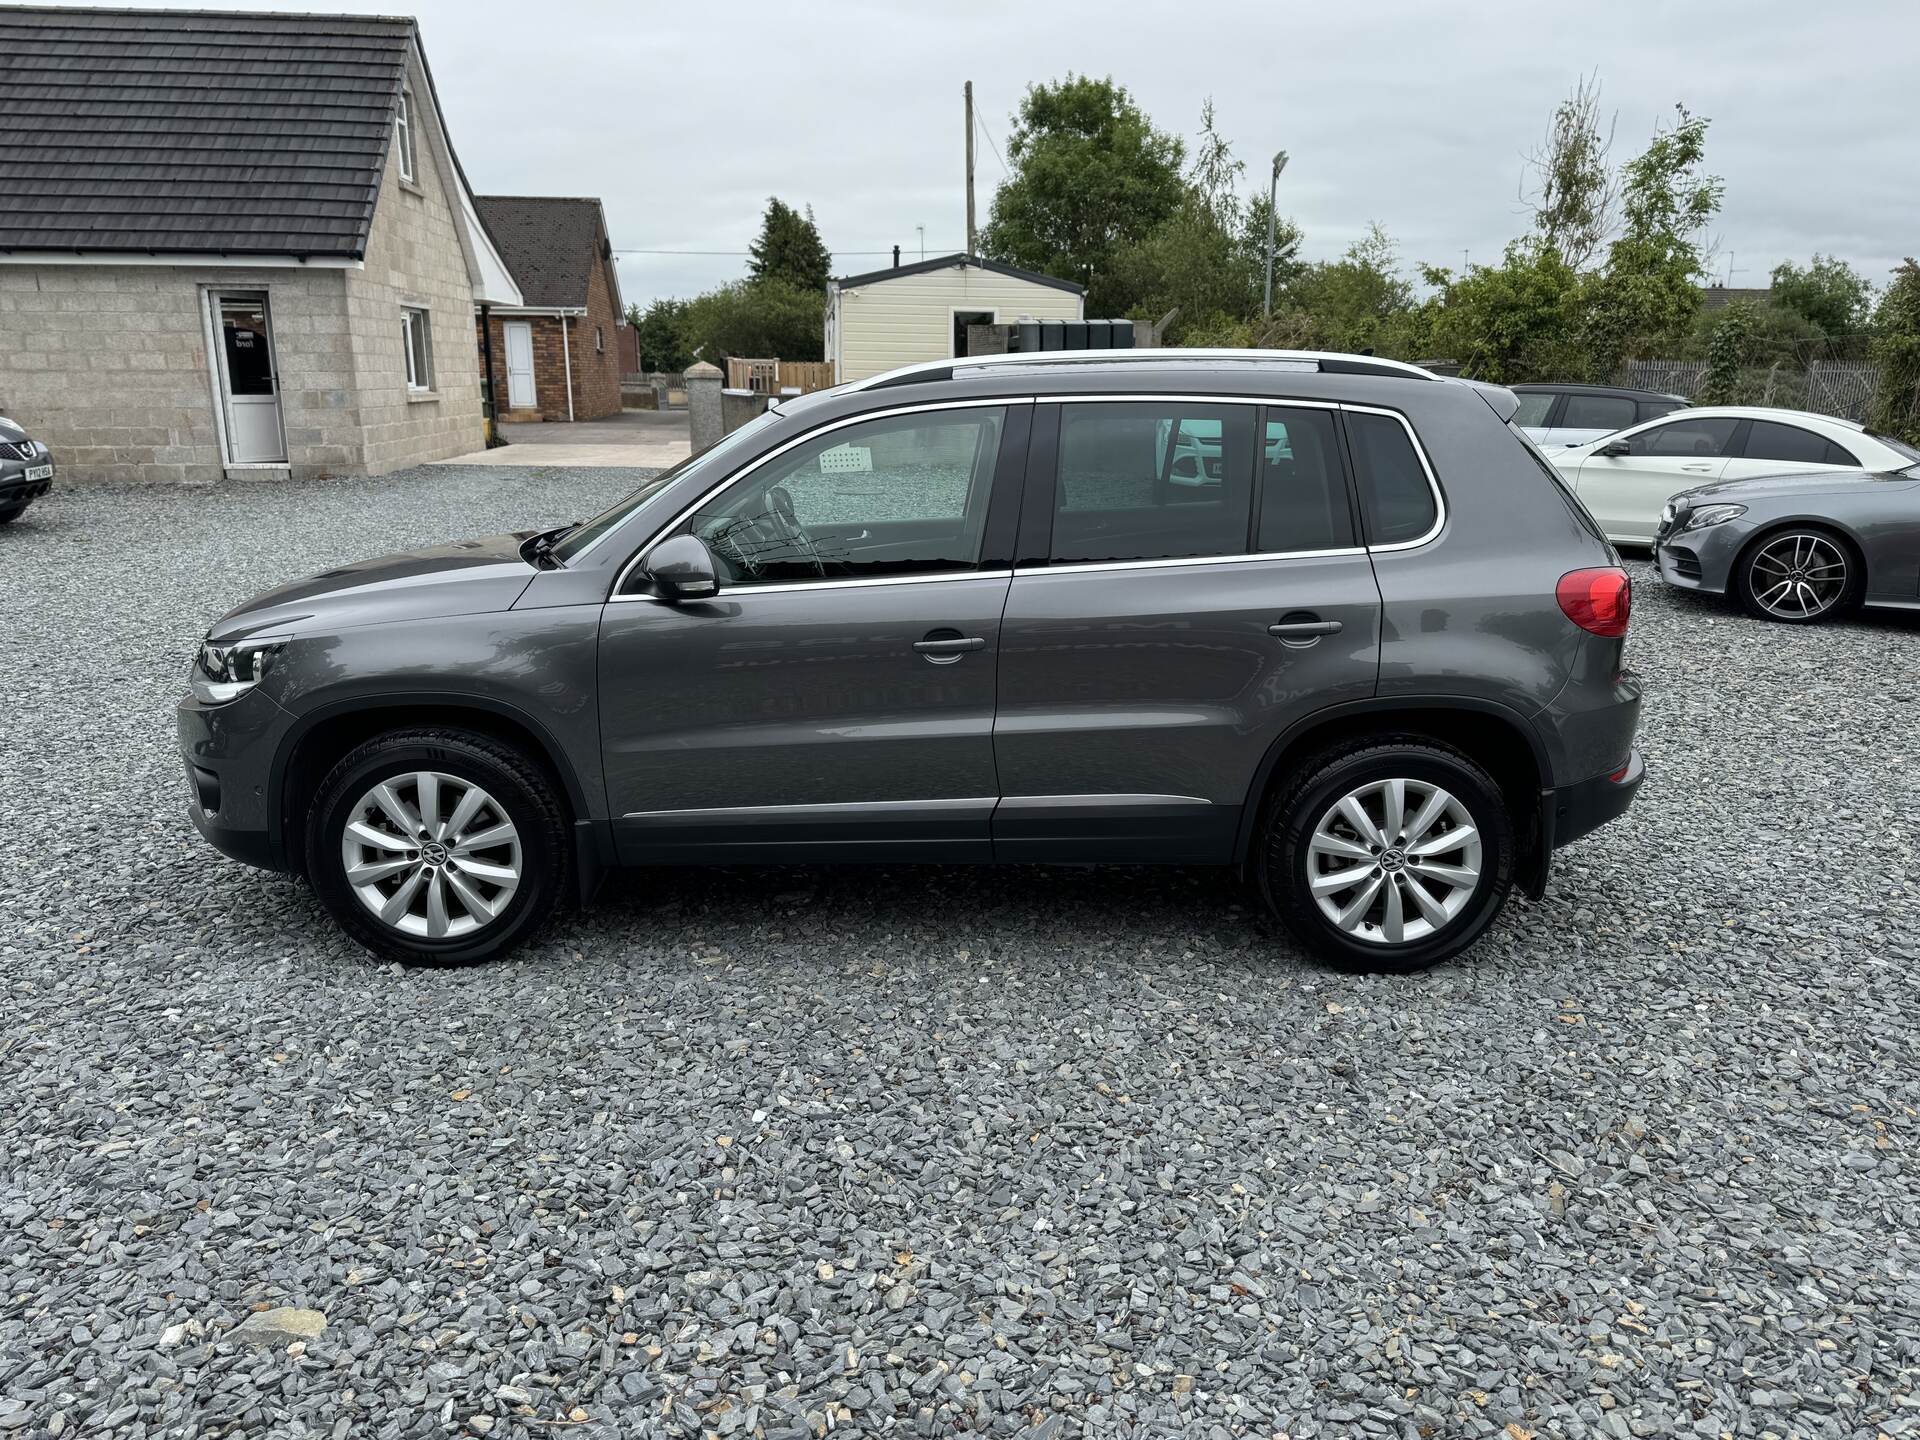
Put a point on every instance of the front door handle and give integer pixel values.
(1303, 629)
(948, 648)
(1697, 469)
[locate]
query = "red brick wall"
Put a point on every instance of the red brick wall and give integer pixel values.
(596, 371)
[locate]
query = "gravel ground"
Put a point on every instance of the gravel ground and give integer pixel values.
(1046, 1153)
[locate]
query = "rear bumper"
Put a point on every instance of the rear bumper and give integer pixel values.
(1575, 810)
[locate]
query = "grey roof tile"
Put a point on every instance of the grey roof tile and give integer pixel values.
(158, 130)
(550, 242)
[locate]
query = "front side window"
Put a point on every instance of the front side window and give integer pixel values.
(1534, 407)
(416, 342)
(1394, 494)
(900, 495)
(1598, 412)
(1303, 491)
(1152, 481)
(1703, 437)
(1770, 440)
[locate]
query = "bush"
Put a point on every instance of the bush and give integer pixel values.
(757, 319)
(1896, 350)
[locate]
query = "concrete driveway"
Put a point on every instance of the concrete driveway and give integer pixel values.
(651, 439)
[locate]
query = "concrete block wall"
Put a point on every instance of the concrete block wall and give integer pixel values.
(414, 257)
(109, 365)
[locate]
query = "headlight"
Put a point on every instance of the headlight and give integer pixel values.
(226, 672)
(1712, 515)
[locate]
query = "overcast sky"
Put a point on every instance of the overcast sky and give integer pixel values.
(685, 117)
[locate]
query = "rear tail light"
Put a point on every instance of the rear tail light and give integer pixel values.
(1598, 601)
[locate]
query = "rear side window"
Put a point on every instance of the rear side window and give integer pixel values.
(1152, 481)
(1700, 437)
(1598, 412)
(1654, 409)
(1303, 493)
(1394, 493)
(1534, 406)
(1770, 440)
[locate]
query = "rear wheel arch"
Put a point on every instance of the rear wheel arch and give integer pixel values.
(1497, 738)
(323, 738)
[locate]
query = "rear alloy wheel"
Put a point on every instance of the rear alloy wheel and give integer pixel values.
(438, 845)
(1798, 576)
(1388, 854)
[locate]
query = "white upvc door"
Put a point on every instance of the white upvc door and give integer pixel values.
(249, 378)
(519, 365)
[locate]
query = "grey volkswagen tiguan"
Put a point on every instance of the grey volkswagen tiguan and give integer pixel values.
(1329, 619)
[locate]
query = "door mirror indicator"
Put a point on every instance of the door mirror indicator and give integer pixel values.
(1616, 447)
(682, 568)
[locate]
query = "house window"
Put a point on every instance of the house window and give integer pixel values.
(403, 134)
(416, 340)
(599, 340)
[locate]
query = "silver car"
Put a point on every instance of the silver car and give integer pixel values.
(1799, 548)
(26, 470)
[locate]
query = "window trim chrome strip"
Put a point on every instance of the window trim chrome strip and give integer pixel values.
(1270, 402)
(730, 481)
(856, 583)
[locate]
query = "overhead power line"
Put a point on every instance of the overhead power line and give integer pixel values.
(632, 250)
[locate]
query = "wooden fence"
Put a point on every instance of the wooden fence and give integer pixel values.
(770, 377)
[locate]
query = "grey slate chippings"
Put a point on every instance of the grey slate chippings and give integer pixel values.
(1041, 1153)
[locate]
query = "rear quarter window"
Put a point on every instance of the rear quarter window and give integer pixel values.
(1395, 496)
(1560, 486)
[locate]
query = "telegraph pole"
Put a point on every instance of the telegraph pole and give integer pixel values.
(972, 239)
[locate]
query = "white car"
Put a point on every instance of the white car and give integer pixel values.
(1626, 479)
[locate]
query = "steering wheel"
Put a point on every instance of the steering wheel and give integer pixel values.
(747, 540)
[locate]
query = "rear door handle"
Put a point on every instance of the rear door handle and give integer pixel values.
(1301, 629)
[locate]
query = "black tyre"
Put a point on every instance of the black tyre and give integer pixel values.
(10, 513)
(1390, 853)
(1799, 576)
(438, 845)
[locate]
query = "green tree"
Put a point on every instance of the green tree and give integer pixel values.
(1828, 292)
(662, 332)
(1896, 350)
(757, 319)
(1196, 261)
(1649, 292)
(1360, 302)
(1513, 321)
(1727, 352)
(1089, 176)
(789, 248)
(1575, 192)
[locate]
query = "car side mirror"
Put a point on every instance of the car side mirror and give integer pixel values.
(682, 568)
(1616, 447)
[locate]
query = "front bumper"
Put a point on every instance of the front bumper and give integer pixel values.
(228, 751)
(1699, 560)
(16, 489)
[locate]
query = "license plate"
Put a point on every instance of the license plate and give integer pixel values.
(39, 472)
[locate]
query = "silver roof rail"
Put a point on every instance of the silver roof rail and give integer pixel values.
(1327, 360)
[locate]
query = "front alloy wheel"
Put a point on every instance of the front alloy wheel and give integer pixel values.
(439, 844)
(1799, 577)
(431, 855)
